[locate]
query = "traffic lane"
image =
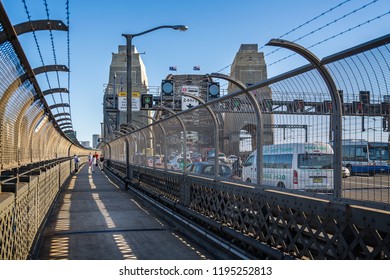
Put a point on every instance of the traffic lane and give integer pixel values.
(366, 182)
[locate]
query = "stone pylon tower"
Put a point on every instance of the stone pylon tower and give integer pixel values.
(248, 67)
(116, 87)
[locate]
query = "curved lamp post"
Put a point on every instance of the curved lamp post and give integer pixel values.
(129, 47)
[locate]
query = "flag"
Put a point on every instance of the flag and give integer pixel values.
(172, 68)
(196, 68)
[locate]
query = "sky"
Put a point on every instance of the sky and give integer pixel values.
(216, 29)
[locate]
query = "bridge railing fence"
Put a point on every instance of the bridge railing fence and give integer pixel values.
(35, 153)
(296, 107)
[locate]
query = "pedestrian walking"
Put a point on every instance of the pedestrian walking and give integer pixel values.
(91, 162)
(76, 163)
(96, 158)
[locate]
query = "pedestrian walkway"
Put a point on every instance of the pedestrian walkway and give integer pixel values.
(94, 219)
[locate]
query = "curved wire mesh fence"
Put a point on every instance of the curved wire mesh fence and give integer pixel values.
(36, 156)
(283, 200)
(295, 131)
(28, 132)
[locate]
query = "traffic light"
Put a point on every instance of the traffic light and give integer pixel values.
(212, 91)
(235, 104)
(267, 105)
(384, 124)
(146, 101)
(357, 107)
(299, 105)
(328, 108)
(341, 94)
(364, 97)
(167, 87)
(385, 108)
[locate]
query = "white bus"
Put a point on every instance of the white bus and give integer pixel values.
(361, 156)
(302, 166)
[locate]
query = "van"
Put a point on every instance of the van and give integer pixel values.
(301, 166)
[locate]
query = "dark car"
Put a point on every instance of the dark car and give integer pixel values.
(207, 168)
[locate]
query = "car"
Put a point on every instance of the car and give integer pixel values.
(177, 163)
(195, 157)
(230, 159)
(207, 168)
(221, 157)
(345, 172)
(157, 159)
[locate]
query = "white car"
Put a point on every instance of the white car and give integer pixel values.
(221, 157)
(345, 172)
(230, 159)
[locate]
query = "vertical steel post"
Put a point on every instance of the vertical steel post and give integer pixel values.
(129, 49)
(336, 120)
(259, 119)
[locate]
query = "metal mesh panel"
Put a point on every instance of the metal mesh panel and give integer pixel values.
(363, 80)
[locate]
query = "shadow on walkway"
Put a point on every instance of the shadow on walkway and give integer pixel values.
(94, 219)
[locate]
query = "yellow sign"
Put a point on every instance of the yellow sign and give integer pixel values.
(124, 94)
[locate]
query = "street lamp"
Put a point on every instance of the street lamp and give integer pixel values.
(129, 47)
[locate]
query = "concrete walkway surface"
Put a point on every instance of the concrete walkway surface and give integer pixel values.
(94, 219)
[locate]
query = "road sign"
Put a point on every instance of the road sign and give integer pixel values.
(188, 102)
(135, 101)
(194, 90)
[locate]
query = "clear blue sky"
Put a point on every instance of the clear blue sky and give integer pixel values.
(216, 31)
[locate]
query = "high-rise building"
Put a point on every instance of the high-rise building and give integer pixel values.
(95, 138)
(86, 144)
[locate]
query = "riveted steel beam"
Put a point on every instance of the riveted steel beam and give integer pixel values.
(61, 114)
(37, 25)
(63, 119)
(55, 90)
(59, 105)
(64, 124)
(64, 127)
(50, 68)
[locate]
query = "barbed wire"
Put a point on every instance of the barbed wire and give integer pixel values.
(318, 29)
(53, 49)
(298, 27)
(334, 36)
(67, 8)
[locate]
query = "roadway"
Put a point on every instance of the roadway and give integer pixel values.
(371, 188)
